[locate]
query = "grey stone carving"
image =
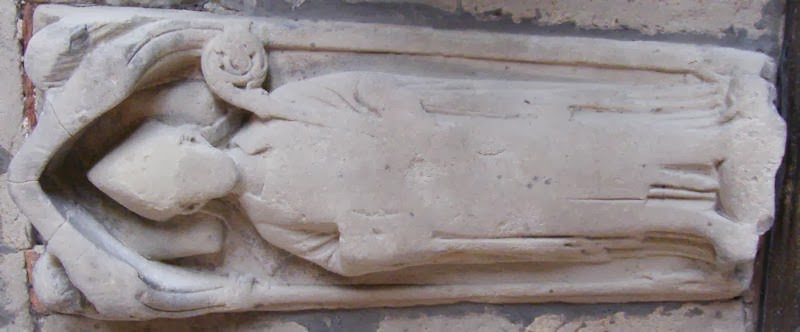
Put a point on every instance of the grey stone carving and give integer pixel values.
(385, 166)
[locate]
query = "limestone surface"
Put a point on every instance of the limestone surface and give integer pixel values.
(721, 316)
(14, 228)
(14, 312)
(15, 231)
(754, 24)
(386, 165)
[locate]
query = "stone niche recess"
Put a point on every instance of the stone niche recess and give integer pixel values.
(186, 163)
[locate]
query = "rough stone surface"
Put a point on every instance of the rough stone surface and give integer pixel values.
(185, 4)
(752, 24)
(10, 66)
(690, 317)
(14, 228)
(736, 21)
(232, 323)
(448, 5)
(749, 24)
(751, 18)
(484, 322)
(717, 17)
(14, 313)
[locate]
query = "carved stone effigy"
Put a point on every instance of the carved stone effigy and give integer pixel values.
(385, 166)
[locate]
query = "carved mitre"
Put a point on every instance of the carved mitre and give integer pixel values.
(386, 166)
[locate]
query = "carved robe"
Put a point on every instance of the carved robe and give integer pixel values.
(388, 171)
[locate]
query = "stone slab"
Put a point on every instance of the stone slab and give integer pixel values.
(668, 221)
(14, 313)
(718, 316)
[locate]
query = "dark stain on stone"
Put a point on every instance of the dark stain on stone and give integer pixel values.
(693, 312)
(5, 159)
(6, 250)
(6, 317)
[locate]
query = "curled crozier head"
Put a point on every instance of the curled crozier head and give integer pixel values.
(162, 171)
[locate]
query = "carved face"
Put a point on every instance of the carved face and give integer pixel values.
(162, 171)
